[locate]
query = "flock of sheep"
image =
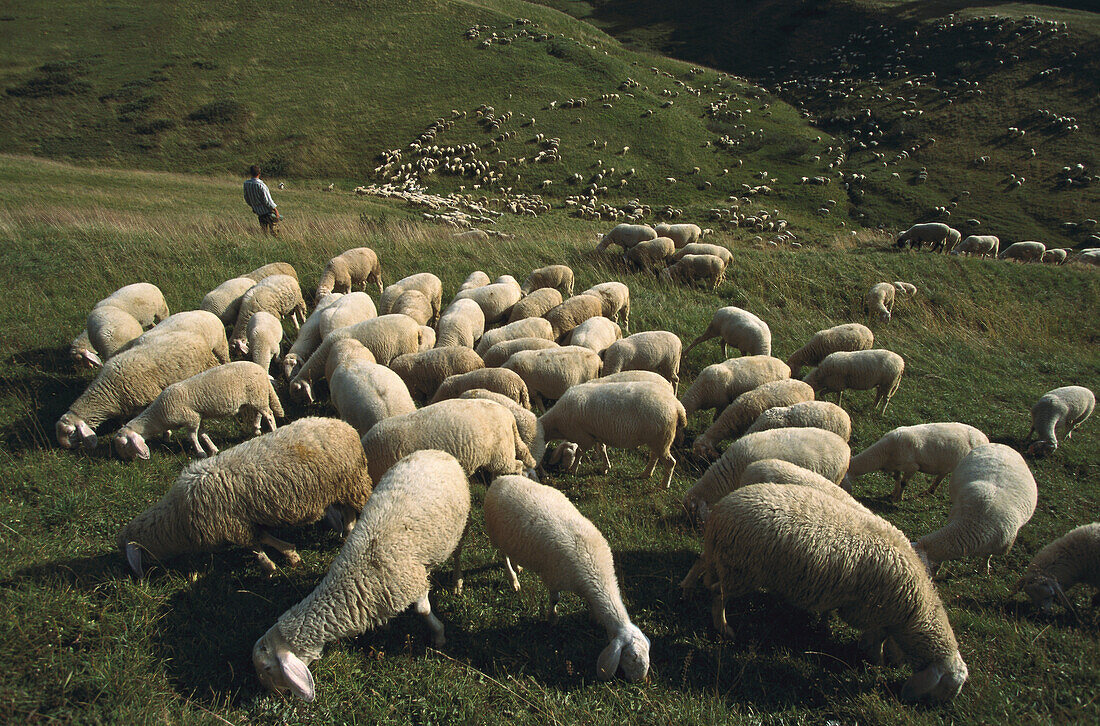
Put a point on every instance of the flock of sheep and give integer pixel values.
(938, 236)
(775, 503)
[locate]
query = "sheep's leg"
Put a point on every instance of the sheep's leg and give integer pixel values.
(511, 573)
(255, 418)
(193, 436)
(651, 466)
(351, 516)
(718, 614)
(691, 579)
(871, 644)
(839, 396)
(988, 564)
(208, 444)
(458, 562)
(424, 609)
(935, 483)
(285, 548)
(264, 561)
(606, 461)
(900, 482)
(670, 466)
(552, 607)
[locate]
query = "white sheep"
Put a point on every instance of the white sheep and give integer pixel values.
(879, 300)
(626, 236)
(904, 289)
(745, 409)
(653, 350)
(777, 471)
(525, 328)
(559, 277)
(424, 372)
(427, 338)
(1029, 251)
(696, 268)
(934, 234)
(807, 414)
(350, 268)
(201, 323)
(739, 328)
(364, 392)
(719, 384)
(651, 254)
(413, 522)
(525, 420)
(848, 337)
(499, 353)
(309, 337)
(233, 389)
(264, 337)
(535, 305)
(550, 372)
(981, 245)
(498, 380)
(352, 308)
(416, 305)
(143, 304)
(932, 448)
(289, 477)
(108, 330)
(537, 527)
(681, 234)
(1054, 256)
(614, 301)
(477, 278)
(859, 370)
(702, 248)
(820, 553)
(425, 282)
(993, 495)
(1072, 559)
(225, 299)
(495, 300)
(572, 312)
(278, 295)
(1061, 410)
(272, 268)
(596, 333)
(462, 323)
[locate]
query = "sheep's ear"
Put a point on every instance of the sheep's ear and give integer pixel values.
(608, 662)
(140, 446)
(297, 675)
(922, 682)
(133, 558)
(87, 436)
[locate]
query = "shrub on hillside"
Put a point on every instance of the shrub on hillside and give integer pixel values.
(222, 111)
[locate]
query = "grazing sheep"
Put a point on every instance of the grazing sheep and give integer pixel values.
(848, 337)
(905, 289)
(425, 282)
(416, 305)
(496, 300)
(596, 333)
(626, 236)
(701, 248)
(859, 370)
(108, 330)
(525, 420)
(879, 301)
(427, 338)
(681, 235)
(525, 328)
(344, 352)
(272, 268)
(1072, 559)
(695, 268)
(499, 353)
(1054, 256)
(537, 527)
(559, 277)
(498, 380)
(264, 337)
(981, 245)
(480, 434)
(288, 477)
(777, 471)
(807, 414)
(653, 350)
(739, 328)
(719, 384)
(121, 317)
(131, 381)
(550, 372)
(1063, 409)
(535, 305)
(278, 295)
(143, 300)
(364, 392)
(424, 372)
(820, 553)
(614, 300)
(993, 495)
(820, 451)
(352, 308)
(651, 254)
(746, 408)
(348, 269)
(225, 299)
(462, 323)
(475, 279)
(933, 234)
(205, 325)
(1024, 251)
(309, 337)
(932, 448)
(572, 312)
(412, 523)
(232, 389)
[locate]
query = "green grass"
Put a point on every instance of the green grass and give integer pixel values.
(84, 642)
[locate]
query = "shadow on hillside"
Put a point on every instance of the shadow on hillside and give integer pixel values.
(45, 383)
(82, 573)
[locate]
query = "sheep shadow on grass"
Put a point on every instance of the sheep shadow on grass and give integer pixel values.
(45, 384)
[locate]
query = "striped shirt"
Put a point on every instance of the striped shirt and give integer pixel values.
(258, 197)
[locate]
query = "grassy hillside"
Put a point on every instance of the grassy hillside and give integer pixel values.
(84, 642)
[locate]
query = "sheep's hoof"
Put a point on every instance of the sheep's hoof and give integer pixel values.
(293, 558)
(458, 588)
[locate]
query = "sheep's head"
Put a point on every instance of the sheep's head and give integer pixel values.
(705, 448)
(629, 649)
(1042, 590)
(301, 390)
(940, 681)
(291, 365)
(72, 431)
(84, 358)
(129, 444)
(563, 457)
(238, 346)
(696, 509)
(1043, 447)
(279, 669)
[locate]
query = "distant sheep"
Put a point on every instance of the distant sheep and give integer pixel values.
(535, 305)
(879, 300)
(615, 301)
(626, 236)
(980, 245)
(807, 414)
(559, 277)
(1024, 251)
(348, 269)
(651, 254)
(690, 269)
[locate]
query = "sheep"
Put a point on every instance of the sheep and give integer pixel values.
(550, 372)
(309, 337)
(615, 301)
(345, 352)
(931, 233)
(143, 300)
(719, 384)
(859, 370)
(653, 350)
(427, 338)
(498, 380)
(739, 328)
(525, 328)
(559, 277)
(496, 300)
(1024, 252)
(352, 308)
(626, 236)
(272, 268)
(1072, 559)
(242, 388)
(413, 522)
(572, 312)
(414, 304)
(932, 448)
(131, 381)
(225, 299)
(879, 301)
(108, 330)
(1063, 409)
(475, 279)
(982, 245)
(201, 323)
(821, 553)
(623, 415)
(820, 451)
(848, 337)
(596, 333)
(425, 282)
(993, 495)
(904, 289)
(143, 304)
(1054, 256)
(278, 295)
(695, 268)
(807, 414)
(537, 527)
(424, 372)
(746, 408)
(288, 477)
(480, 434)
(264, 336)
(365, 393)
(535, 305)
(356, 266)
(525, 420)
(777, 471)
(701, 248)
(651, 254)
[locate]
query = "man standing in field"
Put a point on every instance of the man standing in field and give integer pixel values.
(259, 198)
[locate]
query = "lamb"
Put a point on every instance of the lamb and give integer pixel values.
(859, 370)
(573, 312)
(653, 350)
(820, 451)
(549, 373)
(365, 393)
(205, 325)
(352, 267)
(416, 305)
(993, 495)
(225, 299)
(265, 334)
(982, 245)
(526, 421)
(1024, 251)
(535, 305)
(272, 268)
(821, 554)
(480, 434)
(623, 415)
(626, 236)
(462, 323)
(498, 380)
(1073, 558)
(1054, 256)
(559, 277)
(232, 389)
(807, 414)
(932, 448)
(350, 309)
(499, 353)
(1063, 409)
(694, 268)
(719, 384)
(701, 248)
(746, 408)
(526, 328)
(309, 337)
(424, 372)
(651, 254)
(848, 337)
(739, 328)
(143, 304)
(879, 301)
(537, 527)
(475, 279)
(425, 282)
(278, 295)
(412, 523)
(682, 235)
(595, 333)
(131, 381)
(614, 300)
(932, 233)
(495, 300)
(288, 477)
